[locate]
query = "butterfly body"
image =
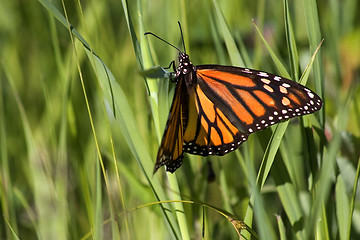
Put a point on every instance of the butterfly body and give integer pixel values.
(216, 107)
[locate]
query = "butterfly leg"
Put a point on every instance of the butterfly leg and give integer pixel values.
(172, 74)
(173, 64)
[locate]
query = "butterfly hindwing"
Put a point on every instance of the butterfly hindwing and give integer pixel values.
(209, 131)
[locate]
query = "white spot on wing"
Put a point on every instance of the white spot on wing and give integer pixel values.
(266, 81)
(286, 85)
(263, 74)
(246, 70)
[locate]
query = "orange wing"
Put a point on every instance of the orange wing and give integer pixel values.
(210, 130)
(171, 148)
(229, 103)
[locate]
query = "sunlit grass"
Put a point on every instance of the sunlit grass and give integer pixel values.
(79, 131)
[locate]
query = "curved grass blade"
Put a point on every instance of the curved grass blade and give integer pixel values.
(233, 51)
(155, 72)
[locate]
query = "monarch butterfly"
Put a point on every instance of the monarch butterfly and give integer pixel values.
(215, 108)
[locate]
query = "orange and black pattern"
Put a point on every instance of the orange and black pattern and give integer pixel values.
(215, 108)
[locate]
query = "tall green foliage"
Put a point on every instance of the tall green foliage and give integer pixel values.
(80, 124)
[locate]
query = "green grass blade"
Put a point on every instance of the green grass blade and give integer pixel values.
(11, 229)
(60, 17)
(352, 202)
(233, 51)
(342, 208)
(130, 132)
(6, 189)
(153, 88)
(257, 205)
(289, 197)
(221, 55)
(147, 62)
(97, 204)
(322, 185)
(155, 72)
(290, 39)
(282, 70)
(313, 29)
(304, 77)
(282, 229)
(270, 153)
(261, 11)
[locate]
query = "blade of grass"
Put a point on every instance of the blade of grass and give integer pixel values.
(127, 124)
(184, 24)
(30, 211)
(147, 62)
(352, 202)
(342, 208)
(97, 204)
(289, 197)
(11, 229)
(321, 187)
(260, 19)
(313, 28)
(291, 44)
(244, 51)
(280, 67)
(257, 205)
(282, 229)
(216, 38)
(178, 206)
(6, 189)
(233, 51)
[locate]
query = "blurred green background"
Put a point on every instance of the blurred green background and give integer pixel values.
(70, 169)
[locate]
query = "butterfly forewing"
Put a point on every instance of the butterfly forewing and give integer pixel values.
(171, 148)
(256, 99)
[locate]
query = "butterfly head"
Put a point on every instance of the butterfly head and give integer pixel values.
(186, 69)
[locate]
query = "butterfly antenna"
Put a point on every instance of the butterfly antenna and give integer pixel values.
(162, 40)
(182, 37)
